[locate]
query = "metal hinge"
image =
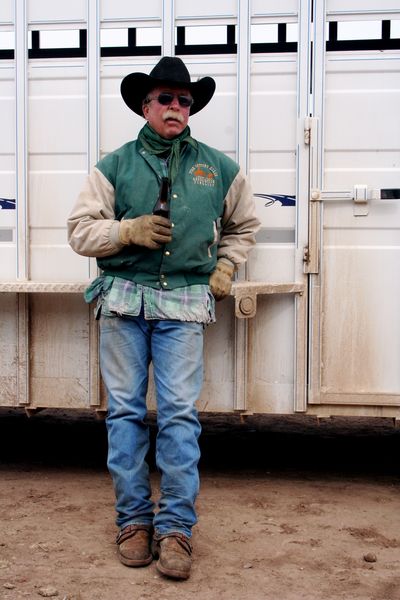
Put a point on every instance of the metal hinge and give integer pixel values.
(307, 130)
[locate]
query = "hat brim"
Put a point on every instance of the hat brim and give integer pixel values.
(136, 86)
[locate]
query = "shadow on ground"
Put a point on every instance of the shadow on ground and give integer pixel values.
(271, 443)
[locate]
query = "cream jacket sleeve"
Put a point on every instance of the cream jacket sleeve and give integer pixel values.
(92, 227)
(239, 223)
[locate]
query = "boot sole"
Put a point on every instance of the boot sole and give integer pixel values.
(129, 562)
(171, 572)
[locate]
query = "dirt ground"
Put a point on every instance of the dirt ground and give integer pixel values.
(289, 509)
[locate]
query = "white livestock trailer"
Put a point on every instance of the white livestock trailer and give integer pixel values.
(307, 101)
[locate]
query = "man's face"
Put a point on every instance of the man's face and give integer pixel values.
(170, 119)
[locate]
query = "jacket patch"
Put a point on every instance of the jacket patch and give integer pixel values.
(203, 174)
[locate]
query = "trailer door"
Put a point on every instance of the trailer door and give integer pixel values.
(354, 252)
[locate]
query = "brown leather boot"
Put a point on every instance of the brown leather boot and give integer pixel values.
(173, 551)
(134, 545)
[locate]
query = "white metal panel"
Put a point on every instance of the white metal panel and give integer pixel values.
(51, 194)
(48, 132)
(93, 96)
(268, 135)
(58, 113)
(6, 11)
(367, 8)
(363, 252)
(7, 123)
(272, 261)
(273, 126)
(8, 255)
(362, 105)
(53, 262)
(58, 146)
(7, 174)
(43, 11)
(272, 370)
(59, 357)
(62, 140)
(219, 383)
(241, 334)
(362, 358)
(274, 158)
(8, 349)
(356, 324)
(272, 131)
(273, 173)
(21, 83)
(215, 125)
(272, 167)
(7, 187)
(206, 9)
(125, 10)
(93, 82)
(124, 124)
(271, 8)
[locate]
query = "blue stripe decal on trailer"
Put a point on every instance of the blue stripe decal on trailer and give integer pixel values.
(7, 204)
(284, 199)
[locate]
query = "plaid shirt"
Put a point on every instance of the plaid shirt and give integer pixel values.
(122, 297)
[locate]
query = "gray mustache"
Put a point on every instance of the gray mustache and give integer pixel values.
(171, 114)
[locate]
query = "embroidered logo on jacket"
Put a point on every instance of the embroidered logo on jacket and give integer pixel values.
(203, 174)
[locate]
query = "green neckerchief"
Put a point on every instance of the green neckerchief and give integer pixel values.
(153, 143)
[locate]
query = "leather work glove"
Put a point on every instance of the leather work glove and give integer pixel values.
(148, 230)
(220, 280)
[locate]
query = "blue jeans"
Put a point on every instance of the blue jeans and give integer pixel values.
(127, 346)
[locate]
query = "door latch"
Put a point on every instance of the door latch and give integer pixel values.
(359, 196)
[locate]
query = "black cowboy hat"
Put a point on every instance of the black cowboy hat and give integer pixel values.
(170, 70)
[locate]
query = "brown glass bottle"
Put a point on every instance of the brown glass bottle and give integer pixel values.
(161, 207)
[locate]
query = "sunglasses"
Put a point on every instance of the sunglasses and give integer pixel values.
(166, 98)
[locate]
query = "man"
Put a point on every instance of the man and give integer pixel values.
(160, 277)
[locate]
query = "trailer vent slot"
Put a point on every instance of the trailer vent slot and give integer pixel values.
(214, 39)
(7, 44)
(266, 38)
(67, 38)
(212, 34)
(269, 38)
(53, 44)
(350, 36)
(390, 194)
(134, 41)
(350, 30)
(113, 38)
